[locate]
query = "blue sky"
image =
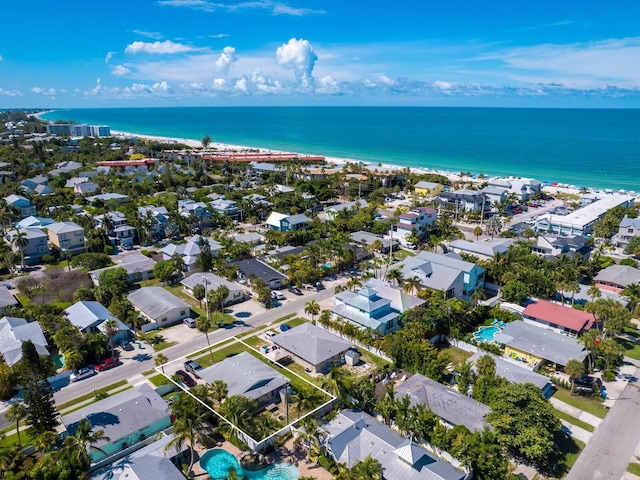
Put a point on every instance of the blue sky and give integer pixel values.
(320, 52)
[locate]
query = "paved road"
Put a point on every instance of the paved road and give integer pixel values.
(613, 443)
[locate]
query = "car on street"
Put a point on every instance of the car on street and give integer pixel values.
(108, 364)
(193, 368)
(284, 327)
(186, 379)
(126, 346)
(82, 373)
(295, 290)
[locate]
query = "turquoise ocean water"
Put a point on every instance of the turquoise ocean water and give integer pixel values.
(594, 148)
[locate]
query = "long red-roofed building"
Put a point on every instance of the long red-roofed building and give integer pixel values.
(559, 318)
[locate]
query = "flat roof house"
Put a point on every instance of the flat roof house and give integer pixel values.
(448, 404)
(13, 332)
(127, 418)
(212, 282)
(67, 237)
(251, 267)
(617, 277)
(425, 189)
(248, 376)
(159, 306)
(535, 346)
(354, 435)
(314, 347)
(558, 318)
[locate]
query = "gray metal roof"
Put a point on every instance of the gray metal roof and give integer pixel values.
(146, 467)
(85, 314)
(487, 248)
(245, 375)
(627, 222)
(251, 266)
(64, 227)
(6, 299)
(430, 275)
(426, 185)
(446, 261)
(296, 219)
(366, 299)
(212, 282)
(14, 331)
(512, 372)
(122, 414)
(310, 343)
(448, 404)
(156, 301)
(400, 300)
(619, 275)
(547, 344)
(354, 435)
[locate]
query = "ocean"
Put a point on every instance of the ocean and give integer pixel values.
(596, 148)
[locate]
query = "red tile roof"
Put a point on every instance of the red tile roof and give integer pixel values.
(559, 315)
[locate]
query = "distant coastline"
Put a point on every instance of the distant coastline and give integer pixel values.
(566, 153)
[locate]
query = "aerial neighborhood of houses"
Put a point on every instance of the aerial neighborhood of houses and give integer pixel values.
(175, 311)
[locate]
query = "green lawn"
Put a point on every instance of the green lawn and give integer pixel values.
(587, 404)
(158, 379)
(369, 357)
(294, 322)
(634, 468)
(574, 421)
(206, 351)
(456, 354)
(631, 349)
(88, 396)
(11, 440)
(570, 449)
(401, 254)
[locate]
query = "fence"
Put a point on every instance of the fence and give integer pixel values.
(357, 343)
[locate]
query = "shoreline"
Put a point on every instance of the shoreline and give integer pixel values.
(340, 161)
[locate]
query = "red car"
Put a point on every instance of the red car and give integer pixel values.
(107, 364)
(186, 378)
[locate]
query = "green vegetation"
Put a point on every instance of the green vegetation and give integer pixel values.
(158, 380)
(573, 420)
(569, 450)
(586, 404)
(82, 398)
(634, 468)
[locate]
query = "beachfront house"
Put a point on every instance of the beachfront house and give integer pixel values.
(447, 273)
(36, 244)
(21, 204)
(67, 237)
(559, 318)
(159, 306)
(352, 436)
(13, 332)
(313, 347)
(460, 201)
(523, 189)
(534, 346)
(283, 222)
(628, 228)
(248, 376)
(617, 277)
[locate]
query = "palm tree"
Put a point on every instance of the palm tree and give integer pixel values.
(304, 399)
(312, 308)
(353, 283)
(199, 292)
(203, 324)
(16, 413)
(218, 391)
(111, 330)
(338, 382)
(160, 360)
(45, 441)
(632, 294)
(477, 232)
(574, 368)
(20, 241)
(189, 428)
(395, 275)
(367, 469)
(83, 440)
(412, 285)
(477, 296)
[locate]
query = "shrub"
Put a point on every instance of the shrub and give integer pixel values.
(101, 395)
(91, 261)
(609, 375)
(48, 259)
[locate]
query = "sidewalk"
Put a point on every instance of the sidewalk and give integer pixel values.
(575, 412)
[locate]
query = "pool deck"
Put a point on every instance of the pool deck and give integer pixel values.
(286, 454)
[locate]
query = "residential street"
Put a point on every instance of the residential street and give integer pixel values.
(613, 443)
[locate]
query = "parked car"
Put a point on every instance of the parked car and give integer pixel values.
(186, 378)
(193, 368)
(270, 334)
(82, 373)
(284, 327)
(189, 322)
(108, 364)
(278, 295)
(295, 290)
(126, 346)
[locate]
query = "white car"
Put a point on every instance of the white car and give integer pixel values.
(82, 373)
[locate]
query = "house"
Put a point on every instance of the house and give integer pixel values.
(283, 189)
(226, 207)
(137, 266)
(259, 200)
(581, 221)
(628, 228)
(509, 369)
(67, 237)
(135, 467)
(159, 305)
(65, 167)
(21, 204)
(252, 268)
(212, 282)
(447, 273)
(524, 189)
(90, 317)
(248, 376)
(451, 406)
(190, 208)
(313, 347)
(34, 222)
(552, 246)
(36, 244)
(127, 418)
(115, 225)
(108, 198)
(13, 332)
(495, 195)
(158, 220)
(190, 250)
(427, 189)
(283, 222)
(367, 309)
(85, 188)
(558, 318)
(29, 185)
(353, 435)
(7, 300)
(367, 239)
(463, 201)
(535, 346)
(419, 220)
(617, 277)
(483, 250)
(331, 212)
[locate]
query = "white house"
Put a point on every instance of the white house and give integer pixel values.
(159, 306)
(419, 219)
(212, 282)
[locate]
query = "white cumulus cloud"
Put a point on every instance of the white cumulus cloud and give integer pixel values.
(108, 57)
(120, 70)
(226, 59)
(50, 92)
(241, 84)
(219, 84)
(158, 48)
(10, 93)
(299, 56)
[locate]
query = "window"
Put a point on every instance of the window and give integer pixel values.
(182, 312)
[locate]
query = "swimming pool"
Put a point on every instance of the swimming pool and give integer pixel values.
(218, 461)
(486, 334)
